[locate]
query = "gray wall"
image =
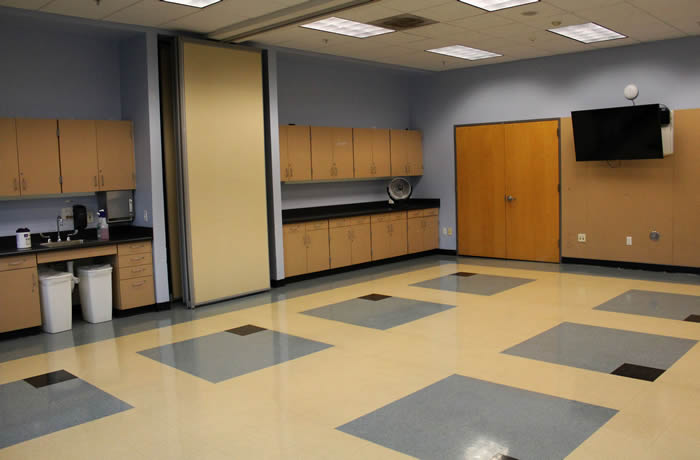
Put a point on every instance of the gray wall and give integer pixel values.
(328, 91)
(666, 72)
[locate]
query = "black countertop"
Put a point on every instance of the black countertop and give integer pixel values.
(117, 234)
(290, 216)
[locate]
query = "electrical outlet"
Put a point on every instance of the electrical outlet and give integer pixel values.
(581, 237)
(629, 241)
(67, 213)
(145, 215)
(444, 230)
(90, 217)
(449, 231)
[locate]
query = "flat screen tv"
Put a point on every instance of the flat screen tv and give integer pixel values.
(618, 133)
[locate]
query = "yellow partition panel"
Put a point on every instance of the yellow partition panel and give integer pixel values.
(224, 171)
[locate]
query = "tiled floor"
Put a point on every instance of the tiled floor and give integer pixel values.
(325, 369)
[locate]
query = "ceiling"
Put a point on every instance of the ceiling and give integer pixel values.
(507, 32)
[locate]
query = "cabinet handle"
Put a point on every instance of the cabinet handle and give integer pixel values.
(136, 270)
(103, 180)
(291, 172)
(134, 259)
(14, 181)
(94, 180)
(33, 282)
(14, 264)
(139, 284)
(24, 184)
(136, 246)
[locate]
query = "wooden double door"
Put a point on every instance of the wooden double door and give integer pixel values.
(508, 190)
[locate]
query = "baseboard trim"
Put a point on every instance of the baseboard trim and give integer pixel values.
(20, 333)
(374, 263)
(632, 265)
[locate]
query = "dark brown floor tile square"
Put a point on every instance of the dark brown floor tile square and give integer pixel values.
(634, 371)
(375, 297)
(693, 318)
(464, 274)
(246, 330)
(43, 380)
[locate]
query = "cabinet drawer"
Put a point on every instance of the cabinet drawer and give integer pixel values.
(431, 212)
(133, 260)
(293, 228)
(317, 225)
(382, 217)
(126, 273)
(17, 262)
(139, 247)
(343, 222)
(359, 220)
(398, 216)
(415, 213)
(136, 292)
(73, 254)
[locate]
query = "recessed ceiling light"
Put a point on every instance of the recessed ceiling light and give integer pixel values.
(587, 33)
(494, 5)
(464, 52)
(194, 3)
(346, 27)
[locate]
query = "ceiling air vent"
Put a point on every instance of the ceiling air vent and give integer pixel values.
(403, 22)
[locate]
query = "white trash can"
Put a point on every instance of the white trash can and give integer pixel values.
(96, 292)
(56, 306)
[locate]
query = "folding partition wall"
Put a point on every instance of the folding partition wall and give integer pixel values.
(223, 192)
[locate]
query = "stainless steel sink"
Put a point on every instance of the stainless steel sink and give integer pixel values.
(61, 244)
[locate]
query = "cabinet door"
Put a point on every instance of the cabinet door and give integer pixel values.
(331, 153)
(284, 156)
(115, 155)
(19, 308)
(299, 153)
(362, 152)
(294, 250)
(431, 235)
(381, 240)
(399, 153)
(343, 163)
(414, 153)
(317, 251)
(341, 247)
(37, 152)
(399, 238)
(9, 169)
(77, 142)
(361, 239)
(416, 235)
(381, 152)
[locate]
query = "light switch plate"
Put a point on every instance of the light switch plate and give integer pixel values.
(444, 230)
(629, 241)
(67, 213)
(581, 237)
(449, 231)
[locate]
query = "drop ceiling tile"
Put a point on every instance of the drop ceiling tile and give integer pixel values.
(223, 14)
(523, 52)
(669, 9)
(615, 43)
(578, 5)
(557, 45)
(439, 30)
(651, 32)
(394, 38)
(546, 22)
(540, 9)
(88, 8)
(514, 30)
(368, 13)
(150, 13)
(482, 22)
(25, 4)
(449, 11)
(689, 25)
(407, 6)
(618, 16)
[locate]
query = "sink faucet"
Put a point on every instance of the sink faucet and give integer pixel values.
(59, 222)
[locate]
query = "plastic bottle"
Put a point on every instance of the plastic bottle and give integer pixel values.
(102, 226)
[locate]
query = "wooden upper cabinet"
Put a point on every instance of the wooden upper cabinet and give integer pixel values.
(372, 152)
(331, 153)
(78, 153)
(295, 153)
(115, 155)
(9, 167)
(414, 152)
(406, 153)
(37, 153)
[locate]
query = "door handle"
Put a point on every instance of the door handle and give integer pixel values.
(510, 198)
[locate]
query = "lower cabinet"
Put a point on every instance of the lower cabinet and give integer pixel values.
(306, 248)
(389, 235)
(423, 230)
(132, 276)
(350, 241)
(19, 284)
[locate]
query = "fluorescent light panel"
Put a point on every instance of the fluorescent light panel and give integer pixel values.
(347, 27)
(495, 5)
(587, 33)
(464, 52)
(194, 3)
